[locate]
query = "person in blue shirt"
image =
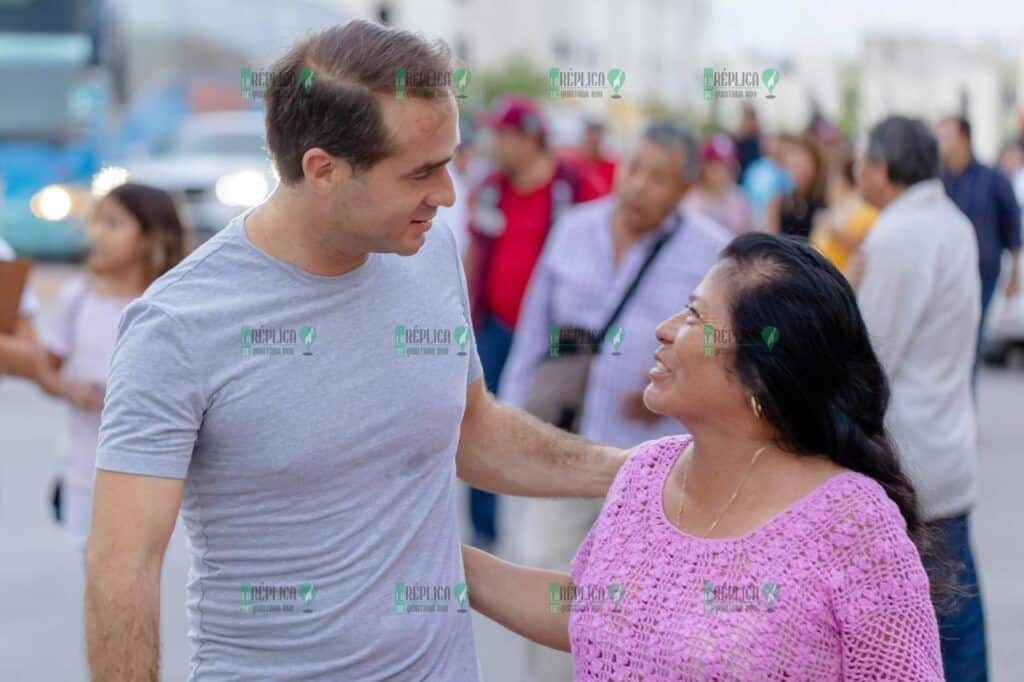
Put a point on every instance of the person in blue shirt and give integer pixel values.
(987, 199)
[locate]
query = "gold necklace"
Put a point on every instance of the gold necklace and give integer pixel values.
(682, 494)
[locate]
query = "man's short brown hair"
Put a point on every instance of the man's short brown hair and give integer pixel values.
(338, 109)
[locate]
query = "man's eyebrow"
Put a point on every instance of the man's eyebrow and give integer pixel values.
(429, 166)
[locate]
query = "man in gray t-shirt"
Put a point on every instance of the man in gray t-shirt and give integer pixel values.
(304, 388)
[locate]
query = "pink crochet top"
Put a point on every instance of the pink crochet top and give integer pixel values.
(831, 588)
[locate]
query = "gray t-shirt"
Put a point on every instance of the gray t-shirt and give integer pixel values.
(315, 421)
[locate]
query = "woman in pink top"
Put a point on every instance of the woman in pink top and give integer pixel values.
(781, 540)
(717, 195)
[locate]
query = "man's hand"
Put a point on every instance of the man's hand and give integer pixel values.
(508, 451)
(633, 408)
(132, 521)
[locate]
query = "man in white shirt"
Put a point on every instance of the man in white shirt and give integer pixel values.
(19, 352)
(919, 297)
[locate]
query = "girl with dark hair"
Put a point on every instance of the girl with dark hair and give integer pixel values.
(780, 539)
(793, 213)
(135, 236)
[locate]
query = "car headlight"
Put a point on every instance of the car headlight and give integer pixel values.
(245, 188)
(107, 179)
(52, 202)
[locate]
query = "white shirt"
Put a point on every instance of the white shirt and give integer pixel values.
(29, 305)
(576, 283)
(921, 301)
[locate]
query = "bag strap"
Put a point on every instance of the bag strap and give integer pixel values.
(651, 255)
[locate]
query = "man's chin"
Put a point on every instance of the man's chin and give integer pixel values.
(411, 244)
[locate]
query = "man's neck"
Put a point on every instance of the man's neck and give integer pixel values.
(286, 228)
(959, 165)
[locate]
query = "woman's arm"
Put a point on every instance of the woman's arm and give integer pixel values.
(517, 597)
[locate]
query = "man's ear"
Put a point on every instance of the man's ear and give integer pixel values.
(321, 170)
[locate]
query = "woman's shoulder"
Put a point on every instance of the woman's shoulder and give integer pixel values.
(648, 460)
(854, 504)
(659, 450)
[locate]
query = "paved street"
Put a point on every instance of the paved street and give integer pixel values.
(41, 572)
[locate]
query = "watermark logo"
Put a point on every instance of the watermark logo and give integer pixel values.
(727, 338)
(307, 77)
(770, 77)
(730, 597)
(410, 81)
(585, 597)
(725, 83)
(419, 341)
(430, 598)
(256, 81)
(567, 340)
(308, 336)
(462, 338)
(276, 598)
(269, 340)
(573, 84)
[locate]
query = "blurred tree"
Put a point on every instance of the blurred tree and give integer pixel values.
(517, 75)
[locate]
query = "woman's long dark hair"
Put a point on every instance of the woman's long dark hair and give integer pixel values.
(821, 385)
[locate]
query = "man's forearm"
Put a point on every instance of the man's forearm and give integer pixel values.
(122, 624)
(505, 450)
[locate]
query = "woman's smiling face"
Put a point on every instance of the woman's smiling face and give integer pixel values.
(691, 380)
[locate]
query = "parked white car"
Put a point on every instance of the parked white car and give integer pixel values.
(1004, 327)
(215, 163)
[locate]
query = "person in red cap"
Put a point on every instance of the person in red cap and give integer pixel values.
(717, 195)
(511, 213)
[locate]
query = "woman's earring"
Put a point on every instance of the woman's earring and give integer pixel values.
(755, 406)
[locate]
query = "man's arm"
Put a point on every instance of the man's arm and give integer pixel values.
(1009, 231)
(505, 450)
(132, 521)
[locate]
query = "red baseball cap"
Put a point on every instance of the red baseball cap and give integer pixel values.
(515, 112)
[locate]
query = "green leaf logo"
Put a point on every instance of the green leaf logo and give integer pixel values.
(771, 79)
(615, 593)
(462, 78)
(461, 591)
(770, 336)
(307, 77)
(616, 77)
(461, 334)
(308, 594)
(770, 592)
(308, 336)
(616, 334)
